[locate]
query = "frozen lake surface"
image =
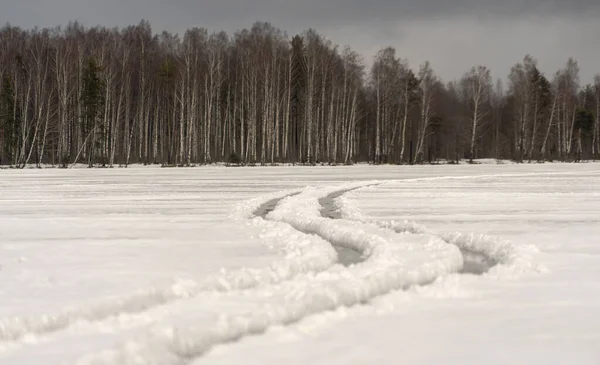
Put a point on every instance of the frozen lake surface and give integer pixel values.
(482, 264)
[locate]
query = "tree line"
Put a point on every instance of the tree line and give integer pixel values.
(118, 96)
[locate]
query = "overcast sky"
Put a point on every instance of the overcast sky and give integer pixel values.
(453, 34)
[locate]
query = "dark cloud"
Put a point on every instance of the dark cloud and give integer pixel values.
(284, 13)
(453, 34)
(302, 13)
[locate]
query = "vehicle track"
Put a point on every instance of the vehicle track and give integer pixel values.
(269, 206)
(382, 269)
(359, 248)
(481, 253)
(14, 329)
(346, 256)
(473, 263)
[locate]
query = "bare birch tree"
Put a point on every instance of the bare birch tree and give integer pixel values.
(477, 85)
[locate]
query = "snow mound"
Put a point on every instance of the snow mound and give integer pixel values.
(510, 259)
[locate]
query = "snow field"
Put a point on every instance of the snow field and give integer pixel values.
(299, 286)
(413, 259)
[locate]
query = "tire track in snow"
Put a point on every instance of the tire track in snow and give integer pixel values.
(481, 253)
(346, 256)
(414, 259)
(182, 345)
(382, 271)
(269, 206)
(307, 258)
(475, 263)
(191, 343)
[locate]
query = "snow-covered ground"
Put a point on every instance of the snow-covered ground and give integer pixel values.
(218, 265)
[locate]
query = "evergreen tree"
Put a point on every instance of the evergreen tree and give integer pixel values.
(298, 92)
(584, 122)
(92, 101)
(8, 120)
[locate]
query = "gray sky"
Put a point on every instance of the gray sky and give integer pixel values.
(453, 34)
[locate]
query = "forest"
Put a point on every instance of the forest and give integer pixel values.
(106, 97)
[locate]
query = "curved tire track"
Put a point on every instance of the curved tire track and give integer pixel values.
(474, 263)
(481, 253)
(375, 275)
(346, 256)
(14, 329)
(387, 266)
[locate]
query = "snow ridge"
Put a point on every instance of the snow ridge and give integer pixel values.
(508, 258)
(503, 257)
(12, 329)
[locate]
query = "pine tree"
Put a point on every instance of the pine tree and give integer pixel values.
(584, 122)
(92, 102)
(298, 94)
(9, 124)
